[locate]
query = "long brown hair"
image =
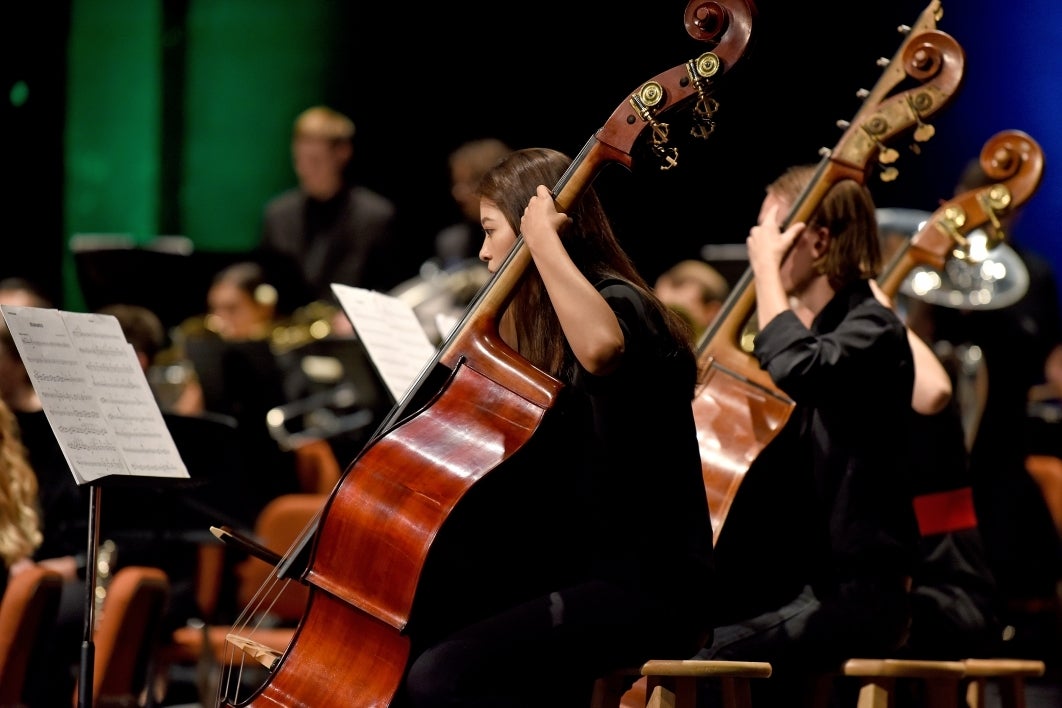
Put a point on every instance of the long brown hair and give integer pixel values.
(847, 212)
(590, 242)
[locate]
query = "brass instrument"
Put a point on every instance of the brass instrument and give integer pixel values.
(326, 392)
(309, 323)
(342, 406)
(439, 295)
(323, 415)
(984, 274)
(172, 372)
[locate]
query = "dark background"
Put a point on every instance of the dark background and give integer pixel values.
(418, 80)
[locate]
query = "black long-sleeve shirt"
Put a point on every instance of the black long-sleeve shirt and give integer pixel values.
(851, 375)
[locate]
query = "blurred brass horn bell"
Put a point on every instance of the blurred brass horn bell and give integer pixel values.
(980, 277)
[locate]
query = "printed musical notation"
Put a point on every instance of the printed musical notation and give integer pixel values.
(94, 393)
(392, 335)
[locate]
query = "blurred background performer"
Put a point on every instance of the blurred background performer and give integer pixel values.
(327, 229)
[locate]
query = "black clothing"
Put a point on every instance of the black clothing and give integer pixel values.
(307, 244)
(63, 504)
(846, 496)
(953, 596)
(604, 519)
(852, 377)
(1022, 543)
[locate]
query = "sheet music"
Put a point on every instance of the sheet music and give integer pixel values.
(94, 393)
(391, 333)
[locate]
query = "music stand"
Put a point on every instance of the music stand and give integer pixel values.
(171, 283)
(99, 405)
(185, 510)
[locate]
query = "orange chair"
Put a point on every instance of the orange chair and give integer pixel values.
(29, 607)
(280, 523)
(277, 527)
(127, 637)
(316, 466)
(1046, 470)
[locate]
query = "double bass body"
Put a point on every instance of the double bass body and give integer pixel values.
(377, 527)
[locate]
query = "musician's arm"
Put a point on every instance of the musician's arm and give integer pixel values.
(932, 386)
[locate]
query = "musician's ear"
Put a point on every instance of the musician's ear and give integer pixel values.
(820, 240)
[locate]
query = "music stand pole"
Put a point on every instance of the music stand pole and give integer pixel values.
(88, 647)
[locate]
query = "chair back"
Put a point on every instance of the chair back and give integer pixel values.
(127, 636)
(28, 610)
(316, 467)
(280, 523)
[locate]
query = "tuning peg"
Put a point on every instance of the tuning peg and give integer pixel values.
(952, 221)
(844, 124)
(904, 29)
(668, 155)
(889, 174)
(862, 93)
(995, 200)
(701, 129)
(703, 120)
(658, 133)
(882, 62)
(924, 132)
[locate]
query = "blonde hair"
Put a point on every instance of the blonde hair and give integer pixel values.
(323, 123)
(479, 155)
(20, 533)
(711, 283)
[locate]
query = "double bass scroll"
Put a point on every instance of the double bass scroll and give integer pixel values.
(1014, 162)
(364, 558)
(737, 408)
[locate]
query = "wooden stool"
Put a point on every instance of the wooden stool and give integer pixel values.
(878, 677)
(672, 683)
(1009, 675)
(877, 681)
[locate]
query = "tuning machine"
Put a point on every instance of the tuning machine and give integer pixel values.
(874, 128)
(645, 100)
(995, 201)
(700, 71)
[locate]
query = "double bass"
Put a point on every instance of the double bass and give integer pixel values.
(473, 407)
(737, 407)
(1014, 162)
